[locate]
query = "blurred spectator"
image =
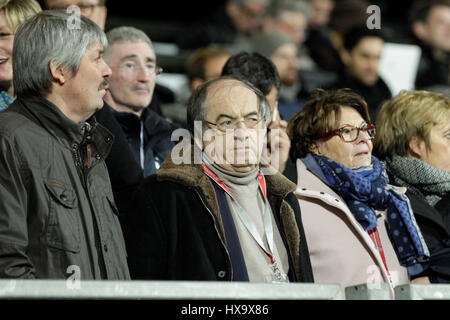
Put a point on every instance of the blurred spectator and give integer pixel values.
(205, 64)
(319, 39)
(413, 138)
(12, 14)
(430, 24)
(202, 65)
(231, 21)
(321, 12)
(262, 73)
(361, 55)
(131, 56)
(93, 9)
(289, 17)
(283, 51)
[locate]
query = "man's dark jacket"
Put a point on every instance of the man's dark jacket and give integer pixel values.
(124, 170)
(157, 133)
(178, 227)
(57, 211)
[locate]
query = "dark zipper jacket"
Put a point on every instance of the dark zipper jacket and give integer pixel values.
(57, 211)
(179, 234)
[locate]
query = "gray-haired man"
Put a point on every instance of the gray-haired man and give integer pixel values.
(57, 214)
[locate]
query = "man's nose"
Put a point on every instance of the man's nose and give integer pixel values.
(106, 70)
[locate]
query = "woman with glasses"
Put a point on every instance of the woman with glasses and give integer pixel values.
(359, 229)
(414, 141)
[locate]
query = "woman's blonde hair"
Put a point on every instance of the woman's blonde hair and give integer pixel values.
(409, 114)
(17, 11)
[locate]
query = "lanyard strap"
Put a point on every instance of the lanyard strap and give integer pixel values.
(141, 146)
(375, 236)
(244, 217)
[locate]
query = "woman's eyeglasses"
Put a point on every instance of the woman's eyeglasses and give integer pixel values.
(349, 133)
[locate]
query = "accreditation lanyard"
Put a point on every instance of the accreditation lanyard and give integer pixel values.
(375, 236)
(244, 217)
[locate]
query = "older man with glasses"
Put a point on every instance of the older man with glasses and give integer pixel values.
(224, 217)
(132, 59)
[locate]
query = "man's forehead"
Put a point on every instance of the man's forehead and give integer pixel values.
(228, 89)
(132, 48)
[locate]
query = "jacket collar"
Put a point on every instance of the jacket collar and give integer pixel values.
(48, 116)
(192, 175)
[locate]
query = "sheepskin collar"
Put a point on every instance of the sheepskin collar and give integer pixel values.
(192, 175)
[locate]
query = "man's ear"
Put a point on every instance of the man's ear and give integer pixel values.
(58, 73)
(419, 30)
(417, 148)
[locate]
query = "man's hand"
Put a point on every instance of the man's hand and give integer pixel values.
(278, 144)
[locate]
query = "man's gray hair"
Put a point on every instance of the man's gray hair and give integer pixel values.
(197, 106)
(47, 36)
(125, 34)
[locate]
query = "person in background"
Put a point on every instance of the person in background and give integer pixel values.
(12, 14)
(57, 213)
(231, 23)
(131, 56)
(413, 138)
(283, 52)
(319, 38)
(361, 55)
(93, 9)
(430, 25)
(203, 220)
(289, 17)
(359, 228)
(205, 64)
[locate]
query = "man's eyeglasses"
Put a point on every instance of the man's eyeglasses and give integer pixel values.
(85, 8)
(133, 68)
(250, 122)
(349, 133)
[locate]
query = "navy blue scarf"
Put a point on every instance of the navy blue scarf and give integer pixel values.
(365, 189)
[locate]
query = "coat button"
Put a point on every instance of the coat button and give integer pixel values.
(221, 274)
(105, 247)
(98, 156)
(63, 197)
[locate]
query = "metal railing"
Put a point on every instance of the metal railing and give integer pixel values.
(202, 290)
(165, 290)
